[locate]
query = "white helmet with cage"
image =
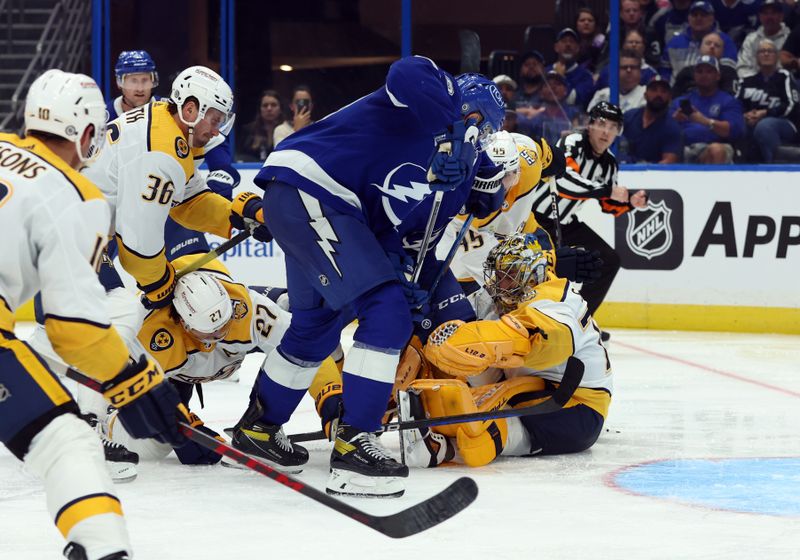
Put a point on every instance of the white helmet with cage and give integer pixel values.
(203, 305)
(208, 88)
(65, 105)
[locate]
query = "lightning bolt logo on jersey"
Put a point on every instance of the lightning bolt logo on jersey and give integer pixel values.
(405, 182)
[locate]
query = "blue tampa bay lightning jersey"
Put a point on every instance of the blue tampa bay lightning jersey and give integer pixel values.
(370, 158)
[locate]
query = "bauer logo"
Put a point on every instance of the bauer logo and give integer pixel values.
(652, 237)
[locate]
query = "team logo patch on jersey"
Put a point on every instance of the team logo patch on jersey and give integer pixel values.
(5, 193)
(240, 309)
(181, 147)
(162, 339)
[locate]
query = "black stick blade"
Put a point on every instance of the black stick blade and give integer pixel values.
(429, 513)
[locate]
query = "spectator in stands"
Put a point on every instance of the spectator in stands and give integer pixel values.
(711, 119)
(683, 50)
(670, 21)
(557, 116)
(634, 42)
(736, 18)
(257, 135)
(592, 43)
(302, 105)
(507, 87)
(649, 9)
(580, 80)
(712, 45)
(632, 19)
(651, 135)
(770, 14)
(770, 103)
(531, 80)
(631, 92)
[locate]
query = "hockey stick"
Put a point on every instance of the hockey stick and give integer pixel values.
(448, 260)
(404, 523)
(573, 374)
(215, 253)
(551, 184)
(426, 240)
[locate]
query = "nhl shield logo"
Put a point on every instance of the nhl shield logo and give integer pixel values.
(649, 233)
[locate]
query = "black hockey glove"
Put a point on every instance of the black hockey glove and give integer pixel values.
(578, 265)
(191, 453)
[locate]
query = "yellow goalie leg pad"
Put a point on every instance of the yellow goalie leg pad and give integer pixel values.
(480, 450)
(327, 383)
(481, 441)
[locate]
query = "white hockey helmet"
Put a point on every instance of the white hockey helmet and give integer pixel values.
(208, 88)
(203, 305)
(503, 151)
(65, 105)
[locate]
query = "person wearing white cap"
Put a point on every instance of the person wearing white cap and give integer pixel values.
(506, 85)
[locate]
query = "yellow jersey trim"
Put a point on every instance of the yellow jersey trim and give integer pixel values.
(83, 508)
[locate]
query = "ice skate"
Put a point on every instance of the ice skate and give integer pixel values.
(120, 461)
(266, 442)
(361, 466)
(420, 447)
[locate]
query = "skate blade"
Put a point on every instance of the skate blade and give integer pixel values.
(122, 473)
(231, 464)
(352, 484)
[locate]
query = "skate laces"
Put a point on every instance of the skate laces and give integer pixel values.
(372, 446)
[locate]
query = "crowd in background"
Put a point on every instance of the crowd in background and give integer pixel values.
(700, 81)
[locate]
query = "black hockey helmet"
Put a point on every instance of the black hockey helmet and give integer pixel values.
(607, 111)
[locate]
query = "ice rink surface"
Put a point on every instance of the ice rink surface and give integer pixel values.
(700, 459)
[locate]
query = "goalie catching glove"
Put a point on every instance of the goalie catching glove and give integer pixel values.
(247, 209)
(465, 349)
(149, 406)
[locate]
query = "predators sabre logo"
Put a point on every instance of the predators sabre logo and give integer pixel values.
(240, 309)
(181, 147)
(162, 339)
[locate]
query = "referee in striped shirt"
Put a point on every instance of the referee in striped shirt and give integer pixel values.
(591, 174)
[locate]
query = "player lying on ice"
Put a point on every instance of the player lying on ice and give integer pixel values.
(205, 335)
(515, 354)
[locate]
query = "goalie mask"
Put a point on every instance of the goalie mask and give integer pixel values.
(203, 306)
(513, 269)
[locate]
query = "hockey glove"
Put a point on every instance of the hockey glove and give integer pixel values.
(247, 209)
(404, 267)
(222, 182)
(190, 453)
(465, 349)
(159, 293)
(577, 264)
(487, 192)
(149, 407)
(557, 164)
(454, 158)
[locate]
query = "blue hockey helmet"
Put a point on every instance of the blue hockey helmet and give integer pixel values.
(135, 62)
(480, 95)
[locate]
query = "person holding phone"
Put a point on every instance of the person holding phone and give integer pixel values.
(711, 120)
(302, 104)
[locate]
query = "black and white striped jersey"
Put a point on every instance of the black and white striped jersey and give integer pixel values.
(586, 177)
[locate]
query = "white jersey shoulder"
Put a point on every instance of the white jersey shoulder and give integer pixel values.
(54, 224)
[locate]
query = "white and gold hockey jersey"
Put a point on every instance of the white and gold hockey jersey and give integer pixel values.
(257, 323)
(148, 172)
(514, 216)
(560, 326)
(55, 224)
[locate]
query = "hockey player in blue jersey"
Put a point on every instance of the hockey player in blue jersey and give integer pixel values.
(336, 194)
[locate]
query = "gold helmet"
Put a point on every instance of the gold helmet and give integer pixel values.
(513, 269)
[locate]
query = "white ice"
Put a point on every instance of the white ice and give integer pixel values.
(678, 395)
